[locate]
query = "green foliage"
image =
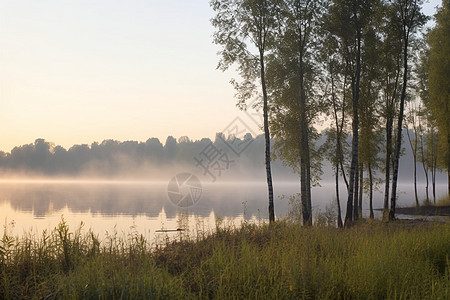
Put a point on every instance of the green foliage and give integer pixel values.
(244, 29)
(439, 80)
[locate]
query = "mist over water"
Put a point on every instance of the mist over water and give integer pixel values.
(106, 206)
(131, 185)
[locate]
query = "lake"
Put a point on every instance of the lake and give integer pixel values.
(106, 207)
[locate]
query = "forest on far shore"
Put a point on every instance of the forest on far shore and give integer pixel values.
(154, 160)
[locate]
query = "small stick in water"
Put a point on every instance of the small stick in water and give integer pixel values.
(169, 230)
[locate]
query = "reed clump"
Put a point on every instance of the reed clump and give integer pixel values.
(372, 260)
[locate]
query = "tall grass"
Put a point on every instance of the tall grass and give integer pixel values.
(281, 261)
(443, 201)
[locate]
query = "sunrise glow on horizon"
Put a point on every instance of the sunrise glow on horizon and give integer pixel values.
(84, 71)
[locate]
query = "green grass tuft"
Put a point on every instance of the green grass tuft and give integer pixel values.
(372, 260)
(443, 201)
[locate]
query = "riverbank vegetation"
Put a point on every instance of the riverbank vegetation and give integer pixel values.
(371, 260)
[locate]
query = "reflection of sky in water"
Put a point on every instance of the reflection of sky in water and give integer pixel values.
(105, 206)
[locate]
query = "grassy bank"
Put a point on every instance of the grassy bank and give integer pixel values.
(428, 209)
(369, 261)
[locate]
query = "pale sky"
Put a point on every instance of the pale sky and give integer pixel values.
(75, 72)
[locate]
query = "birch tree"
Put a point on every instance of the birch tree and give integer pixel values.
(245, 31)
(411, 19)
(346, 21)
(291, 70)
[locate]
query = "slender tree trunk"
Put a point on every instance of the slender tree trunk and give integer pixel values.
(389, 128)
(414, 152)
(433, 183)
(349, 214)
(308, 185)
(303, 195)
(267, 140)
(355, 196)
(425, 170)
(339, 127)
(343, 174)
(416, 197)
(339, 220)
(395, 170)
(339, 152)
(355, 128)
(387, 166)
(398, 143)
(448, 163)
(425, 167)
(434, 165)
(360, 191)
(304, 154)
(427, 196)
(370, 190)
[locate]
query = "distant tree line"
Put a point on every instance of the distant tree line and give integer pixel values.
(112, 157)
(119, 158)
(363, 64)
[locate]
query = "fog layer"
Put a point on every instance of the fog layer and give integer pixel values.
(224, 159)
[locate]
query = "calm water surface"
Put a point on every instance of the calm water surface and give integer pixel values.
(124, 206)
